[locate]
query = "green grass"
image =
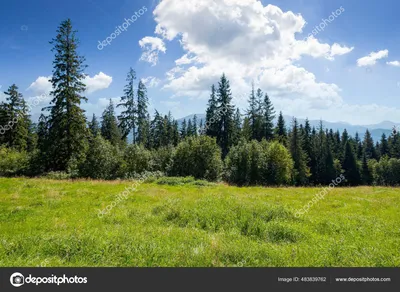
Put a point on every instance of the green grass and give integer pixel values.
(56, 223)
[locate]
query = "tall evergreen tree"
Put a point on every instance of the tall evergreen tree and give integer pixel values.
(301, 169)
(67, 121)
(94, 126)
(143, 133)
(211, 114)
(109, 126)
(183, 129)
(128, 117)
(384, 146)
(350, 166)
(237, 128)
(366, 174)
(226, 109)
(368, 145)
(268, 118)
(280, 130)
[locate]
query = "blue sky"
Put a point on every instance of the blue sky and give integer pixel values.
(339, 74)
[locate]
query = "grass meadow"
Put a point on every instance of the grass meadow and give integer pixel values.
(57, 224)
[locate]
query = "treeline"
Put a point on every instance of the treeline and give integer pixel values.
(244, 148)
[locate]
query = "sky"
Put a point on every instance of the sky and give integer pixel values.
(331, 60)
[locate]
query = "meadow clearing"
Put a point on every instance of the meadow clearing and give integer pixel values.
(195, 224)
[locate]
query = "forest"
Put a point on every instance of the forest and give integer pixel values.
(240, 147)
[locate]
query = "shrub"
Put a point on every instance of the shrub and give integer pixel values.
(162, 158)
(103, 160)
(387, 171)
(138, 160)
(13, 162)
(58, 175)
(199, 157)
(254, 162)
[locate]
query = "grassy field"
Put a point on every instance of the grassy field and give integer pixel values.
(57, 223)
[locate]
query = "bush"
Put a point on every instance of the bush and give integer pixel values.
(162, 158)
(251, 163)
(138, 160)
(199, 157)
(180, 181)
(13, 162)
(103, 160)
(58, 175)
(387, 171)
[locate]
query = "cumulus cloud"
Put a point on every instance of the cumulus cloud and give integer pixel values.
(151, 81)
(151, 47)
(246, 40)
(393, 63)
(97, 82)
(371, 59)
(42, 85)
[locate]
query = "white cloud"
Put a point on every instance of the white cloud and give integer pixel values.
(244, 39)
(97, 82)
(394, 63)
(151, 47)
(41, 85)
(371, 59)
(151, 81)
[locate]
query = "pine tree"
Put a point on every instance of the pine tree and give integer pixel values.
(189, 131)
(183, 129)
(94, 126)
(211, 115)
(246, 129)
(394, 144)
(194, 126)
(302, 172)
(280, 130)
(237, 128)
(175, 133)
(366, 174)
(268, 118)
(142, 115)
(18, 119)
(67, 121)
(225, 125)
(350, 167)
(368, 145)
(128, 119)
(109, 126)
(384, 146)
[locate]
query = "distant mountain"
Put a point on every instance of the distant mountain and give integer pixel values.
(376, 129)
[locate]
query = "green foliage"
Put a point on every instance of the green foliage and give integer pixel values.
(254, 162)
(138, 159)
(387, 171)
(199, 157)
(103, 160)
(162, 158)
(13, 162)
(181, 181)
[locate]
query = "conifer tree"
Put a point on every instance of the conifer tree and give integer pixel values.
(94, 126)
(368, 145)
(280, 130)
(128, 119)
(366, 174)
(211, 114)
(350, 167)
(268, 118)
(109, 126)
(143, 132)
(301, 170)
(183, 130)
(67, 121)
(226, 109)
(384, 146)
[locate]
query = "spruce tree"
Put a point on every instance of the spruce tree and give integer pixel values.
(384, 146)
(301, 170)
(67, 121)
(237, 128)
(350, 166)
(143, 132)
(128, 119)
(94, 126)
(226, 109)
(366, 174)
(280, 130)
(368, 145)
(109, 126)
(211, 114)
(268, 118)
(183, 129)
